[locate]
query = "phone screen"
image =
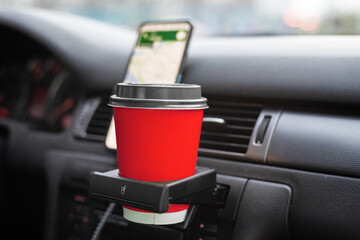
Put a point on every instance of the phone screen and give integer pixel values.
(158, 53)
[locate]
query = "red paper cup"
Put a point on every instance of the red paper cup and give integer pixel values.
(157, 133)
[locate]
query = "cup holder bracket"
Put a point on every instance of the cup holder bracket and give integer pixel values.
(201, 188)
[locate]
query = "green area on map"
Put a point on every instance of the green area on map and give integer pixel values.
(148, 38)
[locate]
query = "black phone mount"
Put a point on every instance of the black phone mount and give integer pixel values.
(201, 188)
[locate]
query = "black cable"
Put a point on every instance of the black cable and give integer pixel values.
(102, 222)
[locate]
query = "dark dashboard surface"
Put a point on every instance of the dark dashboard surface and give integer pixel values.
(300, 171)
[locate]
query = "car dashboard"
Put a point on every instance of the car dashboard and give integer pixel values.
(287, 147)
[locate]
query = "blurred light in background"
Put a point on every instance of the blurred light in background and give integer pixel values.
(304, 14)
(220, 17)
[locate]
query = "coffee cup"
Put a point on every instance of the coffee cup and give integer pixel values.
(157, 134)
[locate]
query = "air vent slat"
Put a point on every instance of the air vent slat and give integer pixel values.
(100, 115)
(96, 130)
(215, 134)
(231, 129)
(232, 137)
(239, 118)
(223, 147)
(226, 112)
(237, 121)
(103, 110)
(243, 139)
(208, 142)
(100, 121)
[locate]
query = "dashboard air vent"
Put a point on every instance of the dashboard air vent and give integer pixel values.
(100, 121)
(227, 129)
(95, 120)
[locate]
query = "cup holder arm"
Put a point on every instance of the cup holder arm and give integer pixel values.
(201, 188)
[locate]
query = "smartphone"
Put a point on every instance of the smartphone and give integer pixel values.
(159, 52)
(157, 57)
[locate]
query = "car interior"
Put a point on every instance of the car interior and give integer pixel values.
(285, 144)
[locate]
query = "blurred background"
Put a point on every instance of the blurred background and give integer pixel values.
(220, 17)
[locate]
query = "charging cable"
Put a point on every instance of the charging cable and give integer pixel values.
(102, 222)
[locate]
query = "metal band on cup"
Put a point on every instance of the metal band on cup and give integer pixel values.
(189, 104)
(158, 96)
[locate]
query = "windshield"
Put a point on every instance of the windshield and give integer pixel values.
(220, 17)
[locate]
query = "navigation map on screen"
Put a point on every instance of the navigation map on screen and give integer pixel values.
(158, 53)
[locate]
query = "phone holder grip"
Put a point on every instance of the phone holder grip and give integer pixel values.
(200, 188)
